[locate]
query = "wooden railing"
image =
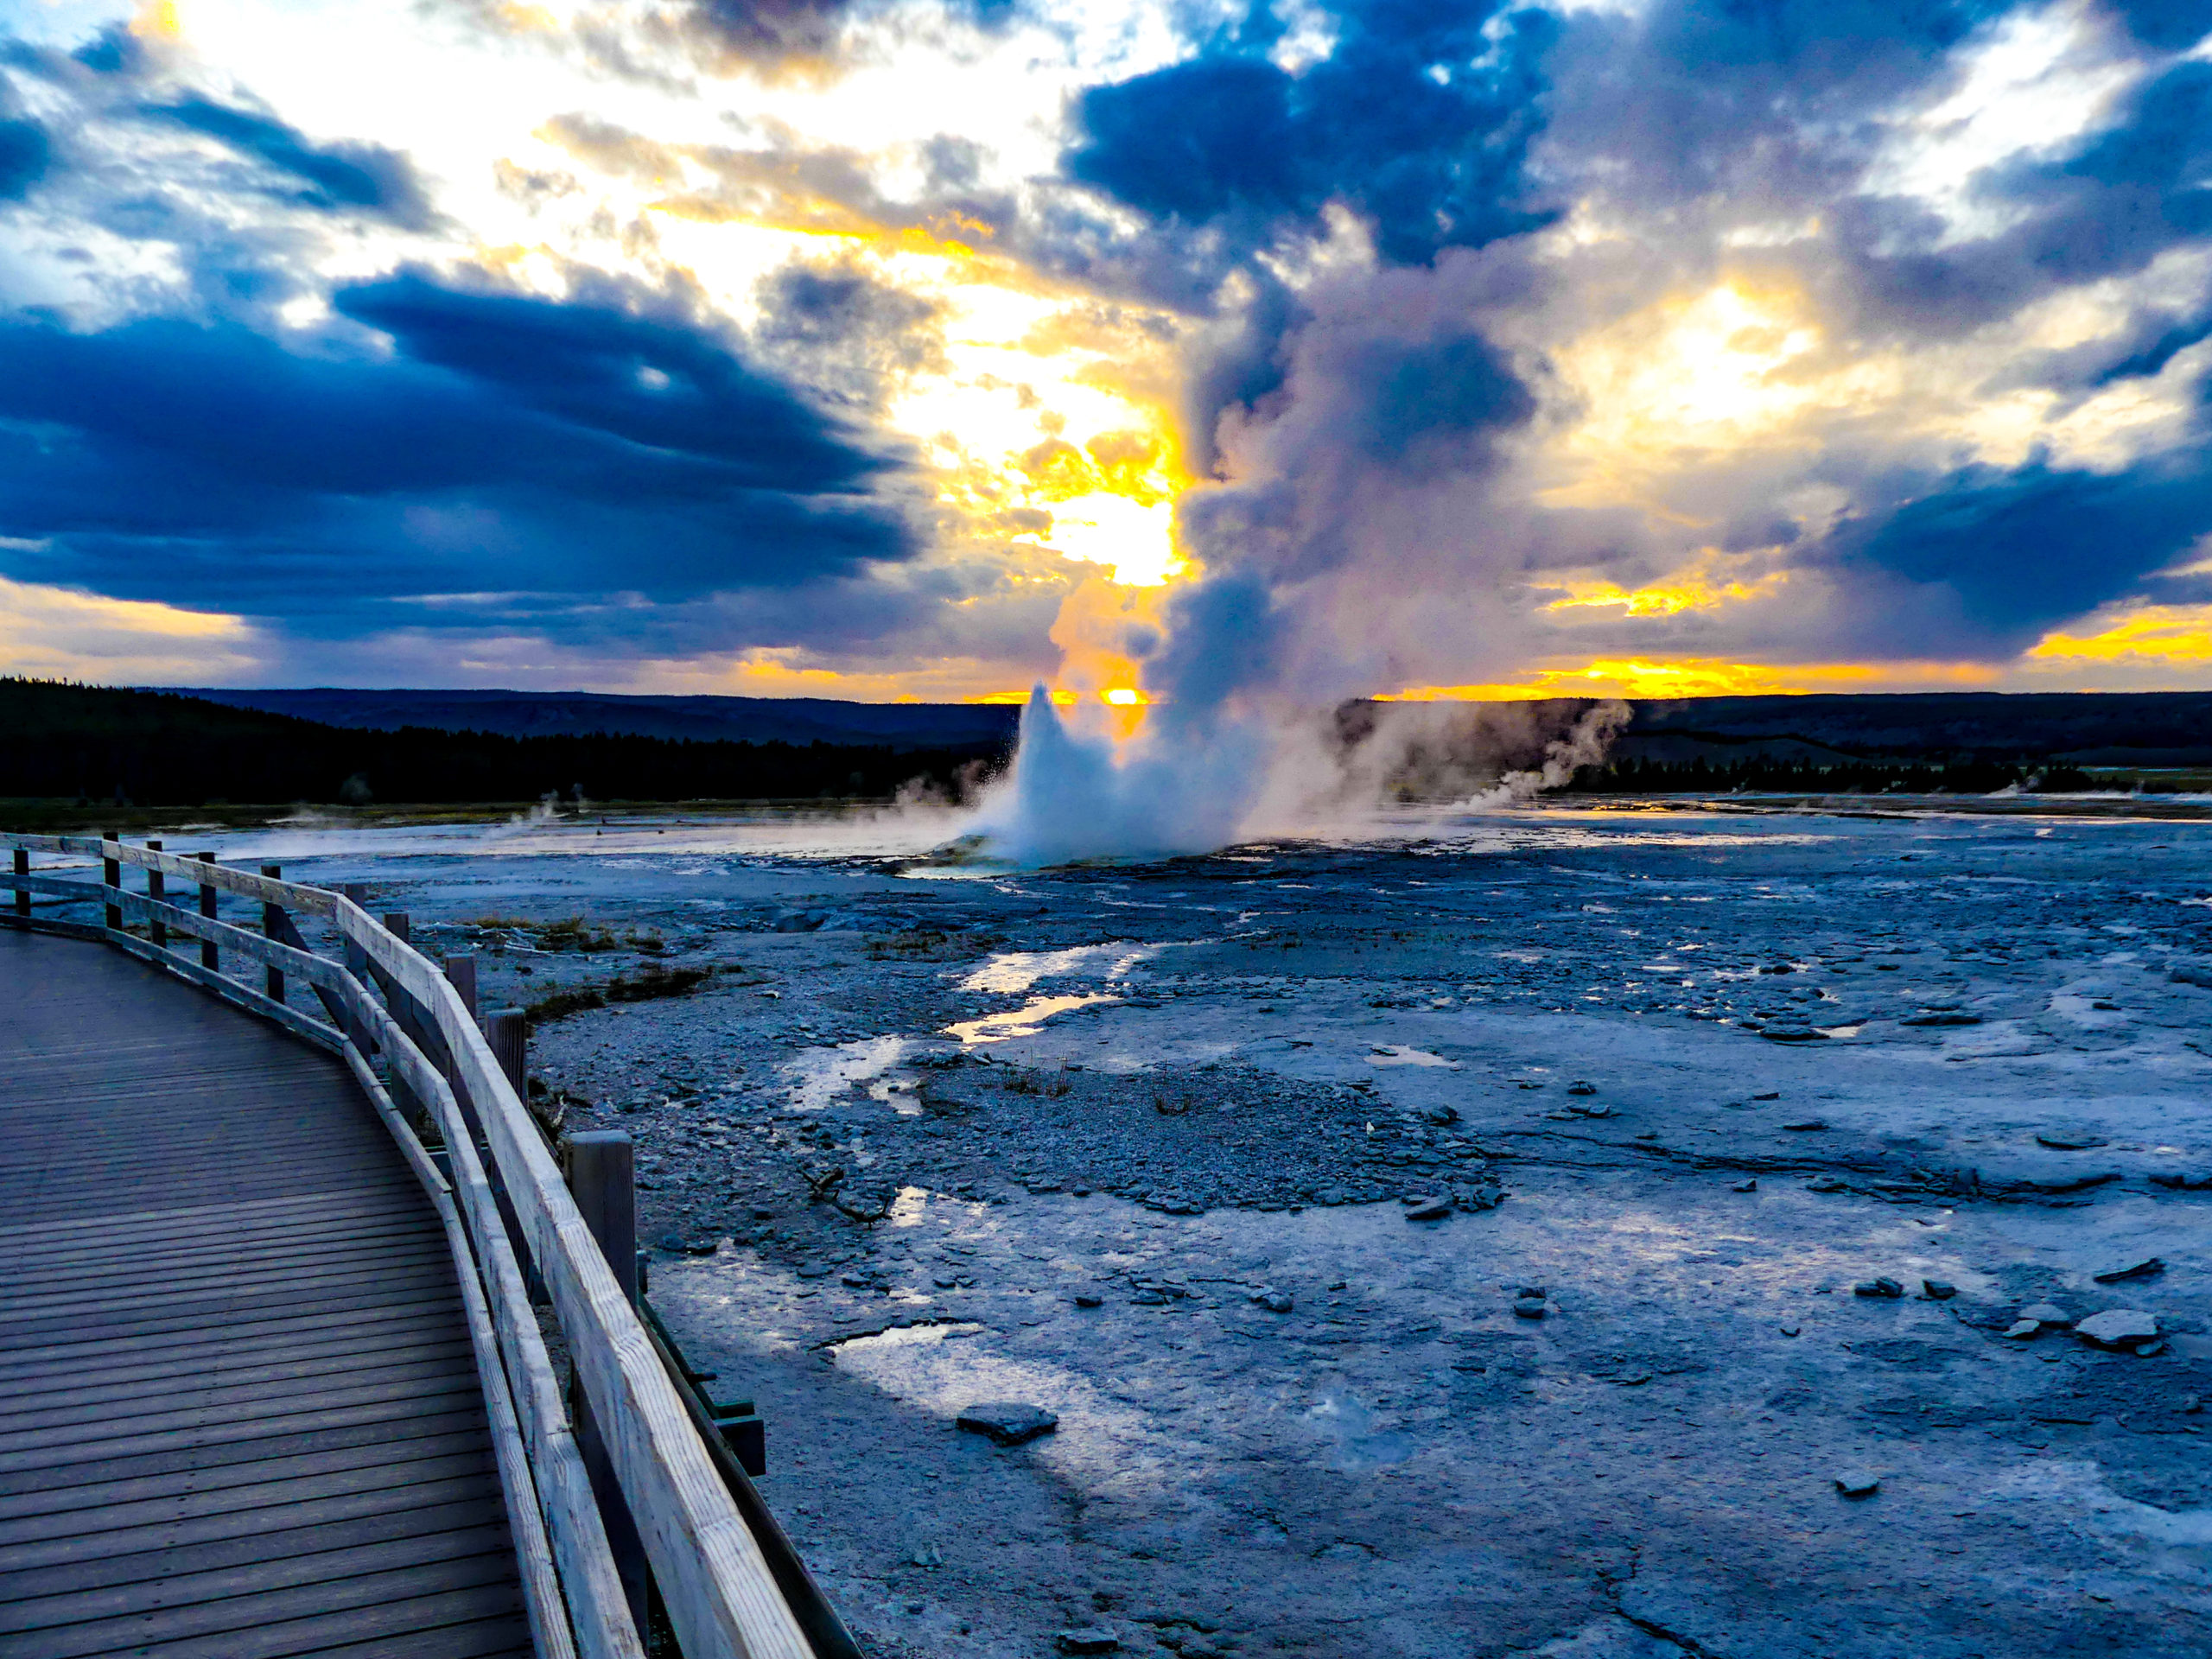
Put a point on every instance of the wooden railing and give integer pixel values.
(403, 1027)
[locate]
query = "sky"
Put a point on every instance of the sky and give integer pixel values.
(1159, 352)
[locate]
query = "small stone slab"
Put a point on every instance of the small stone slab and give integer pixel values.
(1275, 1301)
(1745, 1187)
(1008, 1422)
(1936, 1291)
(2149, 1267)
(2046, 1314)
(1942, 1017)
(1529, 1308)
(2021, 1330)
(1805, 1125)
(1886, 1289)
(2063, 1143)
(1794, 1035)
(2118, 1326)
(1093, 1639)
(1858, 1483)
(1428, 1209)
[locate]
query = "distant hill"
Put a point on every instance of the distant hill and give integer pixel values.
(2139, 728)
(701, 719)
(2090, 729)
(62, 743)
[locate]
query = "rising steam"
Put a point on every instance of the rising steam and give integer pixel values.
(1187, 785)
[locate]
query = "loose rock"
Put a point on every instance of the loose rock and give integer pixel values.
(1886, 1289)
(1428, 1209)
(1745, 1187)
(2116, 1325)
(1275, 1301)
(2046, 1314)
(1095, 1639)
(1008, 1422)
(1857, 1484)
(1528, 1308)
(1936, 1291)
(2149, 1267)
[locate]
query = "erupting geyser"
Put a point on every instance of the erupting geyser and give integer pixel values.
(1186, 785)
(1075, 793)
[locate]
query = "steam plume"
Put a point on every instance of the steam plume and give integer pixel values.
(1196, 781)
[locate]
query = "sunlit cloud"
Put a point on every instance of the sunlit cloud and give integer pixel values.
(51, 632)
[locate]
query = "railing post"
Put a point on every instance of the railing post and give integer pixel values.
(112, 879)
(395, 922)
(356, 963)
(157, 890)
(507, 1030)
(272, 927)
(22, 893)
(462, 970)
(603, 1177)
(210, 958)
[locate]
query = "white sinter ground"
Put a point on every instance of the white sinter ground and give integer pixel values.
(921, 1113)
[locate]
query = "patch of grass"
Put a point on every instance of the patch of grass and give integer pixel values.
(929, 945)
(655, 982)
(920, 945)
(559, 1005)
(573, 933)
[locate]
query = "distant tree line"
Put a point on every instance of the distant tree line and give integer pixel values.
(156, 748)
(1769, 775)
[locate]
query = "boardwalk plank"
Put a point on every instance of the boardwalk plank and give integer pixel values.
(239, 1415)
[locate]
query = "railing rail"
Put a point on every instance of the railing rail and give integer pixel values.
(507, 1214)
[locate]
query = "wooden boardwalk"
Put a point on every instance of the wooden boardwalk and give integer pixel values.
(240, 1414)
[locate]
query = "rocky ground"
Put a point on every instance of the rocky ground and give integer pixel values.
(1501, 1238)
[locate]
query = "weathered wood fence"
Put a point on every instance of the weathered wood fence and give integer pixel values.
(725, 1575)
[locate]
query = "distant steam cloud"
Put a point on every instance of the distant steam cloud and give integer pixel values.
(1202, 779)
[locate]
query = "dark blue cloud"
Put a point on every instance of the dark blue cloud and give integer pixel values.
(2152, 359)
(508, 445)
(2169, 25)
(24, 153)
(1419, 118)
(2024, 550)
(25, 149)
(2135, 190)
(357, 178)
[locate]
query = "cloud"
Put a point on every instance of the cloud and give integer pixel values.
(509, 458)
(337, 178)
(848, 336)
(25, 149)
(1418, 119)
(2025, 549)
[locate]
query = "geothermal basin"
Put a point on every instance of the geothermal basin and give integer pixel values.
(1145, 1146)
